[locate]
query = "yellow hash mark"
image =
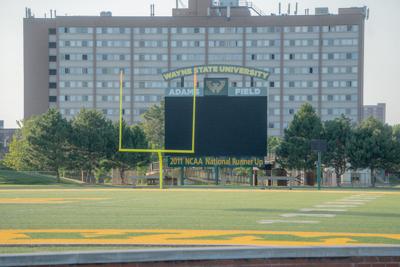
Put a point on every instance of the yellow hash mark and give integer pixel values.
(43, 200)
(185, 237)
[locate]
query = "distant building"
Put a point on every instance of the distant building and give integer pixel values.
(5, 139)
(376, 111)
(72, 62)
(1, 124)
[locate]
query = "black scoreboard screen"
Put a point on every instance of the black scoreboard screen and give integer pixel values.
(225, 126)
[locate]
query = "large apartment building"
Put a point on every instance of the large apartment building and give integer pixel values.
(376, 111)
(71, 62)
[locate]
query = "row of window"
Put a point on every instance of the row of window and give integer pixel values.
(76, 84)
(87, 70)
(301, 42)
(212, 57)
(263, 43)
(212, 43)
(75, 111)
(150, 84)
(151, 57)
(302, 98)
(187, 43)
(76, 98)
(112, 84)
(105, 98)
(301, 70)
(112, 70)
(113, 57)
(340, 56)
(340, 42)
(339, 70)
(188, 57)
(339, 84)
(76, 71)
(76, 43)
(76, 57)
(212, 30)
(225, 57)
(151, 43)
(301, 56)
(113, 43)
(112, 98)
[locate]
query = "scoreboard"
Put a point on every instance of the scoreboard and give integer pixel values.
(226, 125)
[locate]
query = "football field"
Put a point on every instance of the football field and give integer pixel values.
(77, 216)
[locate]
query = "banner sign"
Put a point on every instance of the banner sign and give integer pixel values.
(183, 92)
(248, 91)
(223, 69)
(215, 161)
(237, 92)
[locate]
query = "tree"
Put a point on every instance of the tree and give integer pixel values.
(372, 146)
(47, 141)
(295, 149)
(273, 144)
(154, 125)
(337, 135)
(132, 137)
(396, 138)
(92, 140)
(18, 158)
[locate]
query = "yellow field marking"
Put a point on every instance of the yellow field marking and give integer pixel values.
(44, 200)
(187, 237)
(209, 190)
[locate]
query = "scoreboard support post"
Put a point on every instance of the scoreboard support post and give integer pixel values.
(160, 160)
(182, 175)
(216, 174)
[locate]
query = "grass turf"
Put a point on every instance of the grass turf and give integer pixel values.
(196, 209)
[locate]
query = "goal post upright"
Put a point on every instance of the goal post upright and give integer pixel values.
(158, 151)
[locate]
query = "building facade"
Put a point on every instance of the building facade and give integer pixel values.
(376, 111)
(72, 62)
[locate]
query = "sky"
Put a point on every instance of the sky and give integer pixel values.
(382, 42)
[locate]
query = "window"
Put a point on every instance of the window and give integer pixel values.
(52, 31)
(291, 111)
(67, 57)
(52, 72)
(52, 58)
(182, 82)
(52, 99)
(52, 85)
(84, 57)
(272, 84)
(291, 98)
(253, 56)
(330, 97)
(291, 56)
(252, 81)
(52, 45)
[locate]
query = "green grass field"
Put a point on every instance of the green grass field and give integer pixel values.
(76, 215)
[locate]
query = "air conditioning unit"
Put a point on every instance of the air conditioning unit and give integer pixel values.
(229, 2)
(105, 14)
(321, 11)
